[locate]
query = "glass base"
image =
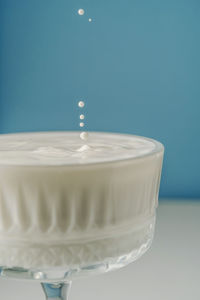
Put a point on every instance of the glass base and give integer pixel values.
(63, 275)
(69, 255)
(56, 281)
(126, 248)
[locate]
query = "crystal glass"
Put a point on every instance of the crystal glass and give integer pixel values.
(64, 218)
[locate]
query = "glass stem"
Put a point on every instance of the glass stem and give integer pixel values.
(56, 291)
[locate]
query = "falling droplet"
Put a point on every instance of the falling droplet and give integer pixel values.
(84, 135)
(81, 104)
(81, 11)
(90, 20)
(82, 117)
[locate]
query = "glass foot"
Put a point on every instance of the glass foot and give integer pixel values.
(56, 291)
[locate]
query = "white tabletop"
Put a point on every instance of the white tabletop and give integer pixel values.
(170, 270)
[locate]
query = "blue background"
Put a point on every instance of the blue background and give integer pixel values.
(136, 65)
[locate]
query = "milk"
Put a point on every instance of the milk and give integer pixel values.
(65, 201)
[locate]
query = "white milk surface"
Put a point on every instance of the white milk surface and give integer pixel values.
(66, 148)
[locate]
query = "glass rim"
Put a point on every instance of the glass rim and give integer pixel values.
(159, 148)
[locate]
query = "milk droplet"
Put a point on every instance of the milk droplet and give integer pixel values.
(82, 117)
(81, 11)
(90, 20)
(81, 104)
(84, 135)
(81, 124)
